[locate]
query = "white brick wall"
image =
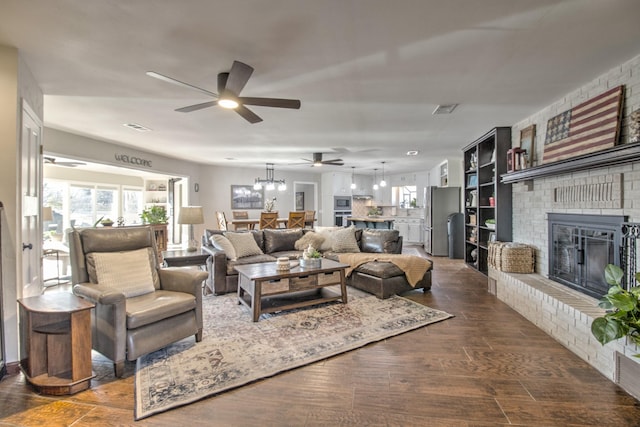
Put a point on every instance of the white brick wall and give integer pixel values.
(531, 205)
(564, 314)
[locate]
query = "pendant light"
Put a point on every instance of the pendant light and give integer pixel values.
(375, 179)
(383, 183)
(353, 184)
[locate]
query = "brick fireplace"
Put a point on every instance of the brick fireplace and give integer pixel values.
(609, 189)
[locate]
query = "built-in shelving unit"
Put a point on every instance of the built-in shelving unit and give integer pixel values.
(487, 210)
(155, 192)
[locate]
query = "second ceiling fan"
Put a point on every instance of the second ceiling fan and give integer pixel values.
(229, 87)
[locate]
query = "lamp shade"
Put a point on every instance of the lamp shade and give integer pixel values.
(191, 215)
(47, 213)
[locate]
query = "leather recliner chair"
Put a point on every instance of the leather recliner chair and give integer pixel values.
(127, 327)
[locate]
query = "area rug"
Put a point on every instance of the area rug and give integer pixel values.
(236, 351)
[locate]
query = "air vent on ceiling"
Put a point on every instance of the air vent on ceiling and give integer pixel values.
(445, 109)
(137, 127)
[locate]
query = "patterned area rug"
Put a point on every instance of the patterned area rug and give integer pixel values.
(236, 351)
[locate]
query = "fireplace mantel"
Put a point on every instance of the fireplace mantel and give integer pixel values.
(617, 155)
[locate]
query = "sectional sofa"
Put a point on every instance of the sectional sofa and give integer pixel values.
(380, 278)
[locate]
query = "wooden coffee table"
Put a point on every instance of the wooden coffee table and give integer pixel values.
(265, 289)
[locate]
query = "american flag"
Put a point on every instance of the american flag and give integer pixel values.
(591, 126)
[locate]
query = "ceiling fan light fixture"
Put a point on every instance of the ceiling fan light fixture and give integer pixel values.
(228, 103)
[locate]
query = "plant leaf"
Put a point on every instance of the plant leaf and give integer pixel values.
(606, 330)
(613, 274)
(623, 301)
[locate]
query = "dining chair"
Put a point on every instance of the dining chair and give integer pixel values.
(309, 219)
(222, 221)
(268, 220)
(240, 215)
(296, 219)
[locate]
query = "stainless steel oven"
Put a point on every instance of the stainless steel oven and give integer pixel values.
(341, 203)
(340, 218)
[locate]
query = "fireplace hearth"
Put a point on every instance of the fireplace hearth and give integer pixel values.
(580, 247)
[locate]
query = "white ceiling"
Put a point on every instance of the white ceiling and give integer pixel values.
(369, 73)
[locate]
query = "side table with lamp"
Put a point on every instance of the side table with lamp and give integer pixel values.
(191, 215)
(190, 256)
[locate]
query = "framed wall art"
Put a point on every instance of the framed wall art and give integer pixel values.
(299, 200)
(245, 197)
(527, 142)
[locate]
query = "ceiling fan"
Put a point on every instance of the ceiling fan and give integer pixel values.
(54, 161)
(229, 87)
(317, 161)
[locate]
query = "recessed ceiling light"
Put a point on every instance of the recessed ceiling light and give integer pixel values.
(137, 127)
(230, 158)
(412, 153)
(445, 109)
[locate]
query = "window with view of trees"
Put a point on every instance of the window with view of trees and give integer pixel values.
(82, 205)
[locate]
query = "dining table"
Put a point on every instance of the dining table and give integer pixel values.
(252, 222)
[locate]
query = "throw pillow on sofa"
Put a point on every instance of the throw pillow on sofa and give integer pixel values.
(344, 240)
(309, 238)
(222, 243)
(327, 233)
(379, 241)
(244, 244)
(281, 240)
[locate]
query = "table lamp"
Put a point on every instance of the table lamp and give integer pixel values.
(191, 215)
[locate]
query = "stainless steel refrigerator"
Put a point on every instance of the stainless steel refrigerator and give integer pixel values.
(439, 203)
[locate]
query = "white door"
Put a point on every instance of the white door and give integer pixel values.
(31, 184)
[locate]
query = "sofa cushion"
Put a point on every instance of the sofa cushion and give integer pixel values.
(310, 238)
(327, 233)
(128, 272)
(383, 270)
(252, 259)
(222, 243)
(150, 308)
(244, 244)
(281, 240)
(379, 241)
(344, 240)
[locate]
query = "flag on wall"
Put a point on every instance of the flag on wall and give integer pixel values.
(591, 126)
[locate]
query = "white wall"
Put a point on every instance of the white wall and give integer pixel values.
(215, 190)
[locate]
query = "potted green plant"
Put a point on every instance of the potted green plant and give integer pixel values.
(106, 222)
(310, 258)
(154, 215)
(623, 310)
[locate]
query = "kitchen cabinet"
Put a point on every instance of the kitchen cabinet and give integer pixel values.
(410, 229)
(487, 200)
(364, 185)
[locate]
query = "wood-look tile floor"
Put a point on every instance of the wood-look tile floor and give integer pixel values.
(488, 366)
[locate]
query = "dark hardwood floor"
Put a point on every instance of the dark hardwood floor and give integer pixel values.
(488, 366)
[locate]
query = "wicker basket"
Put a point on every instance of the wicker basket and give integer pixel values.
(512, 257)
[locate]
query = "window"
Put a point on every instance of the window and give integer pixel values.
(82, 205)
(81, 199)
(132, 205)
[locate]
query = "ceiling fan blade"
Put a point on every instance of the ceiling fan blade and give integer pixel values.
(238, 77)
(271, 102)
(178, 82)
(333, 162)
(247, 114)
(196, 107)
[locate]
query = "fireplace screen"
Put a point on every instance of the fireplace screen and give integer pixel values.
(581, 247)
